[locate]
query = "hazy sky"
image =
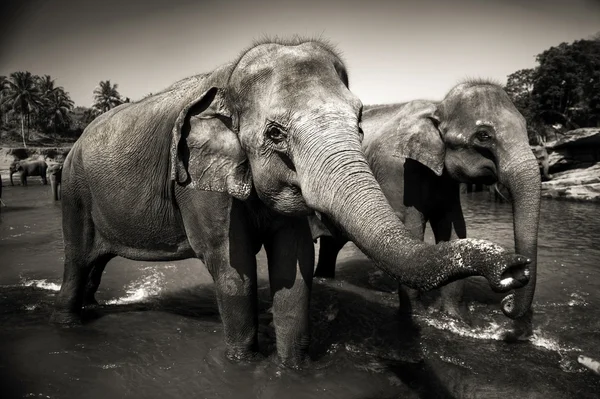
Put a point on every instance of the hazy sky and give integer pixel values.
(394, 50)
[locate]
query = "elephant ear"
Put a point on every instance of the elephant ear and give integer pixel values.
(417, 125)
(205, 150)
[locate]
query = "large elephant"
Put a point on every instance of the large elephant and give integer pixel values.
(421, 151)
(55, 174)
(218, 165)
(28, 168)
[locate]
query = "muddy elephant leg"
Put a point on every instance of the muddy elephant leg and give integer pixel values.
(23, 179)
(329, 248)
(415, 222)
(291, 255)
(451, 226)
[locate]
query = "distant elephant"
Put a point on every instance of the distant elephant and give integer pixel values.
(542, 157)
(28, 168)
(220, 164)
(55, 174)
(421, 151)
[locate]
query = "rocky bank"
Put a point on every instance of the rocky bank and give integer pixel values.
(574, 166)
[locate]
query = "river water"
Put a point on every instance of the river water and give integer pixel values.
(157, 332)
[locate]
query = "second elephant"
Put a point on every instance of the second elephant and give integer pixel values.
(421, 151)
(28, 168)
(55, 175)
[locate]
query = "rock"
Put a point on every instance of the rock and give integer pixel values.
(577, 184)
(589, 136)
(578, 148)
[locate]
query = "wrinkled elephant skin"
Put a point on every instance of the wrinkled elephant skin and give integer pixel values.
(421, 151)
(220, 164)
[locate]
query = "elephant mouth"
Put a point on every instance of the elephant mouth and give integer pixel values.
(288, 201)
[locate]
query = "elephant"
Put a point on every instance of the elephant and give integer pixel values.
(28, 168)
(542, 157)
(421, 151)
(55, 174)
(222, 163)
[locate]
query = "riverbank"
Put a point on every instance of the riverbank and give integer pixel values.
(574, 166)
(574, 163)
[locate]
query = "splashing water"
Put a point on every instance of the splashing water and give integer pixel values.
(43, 284)
(141, 289)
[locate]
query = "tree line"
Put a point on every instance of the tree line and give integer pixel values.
(562, 92)
(29, 101)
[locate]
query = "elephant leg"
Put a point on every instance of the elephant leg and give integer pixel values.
(415, 222)
(231, 261)
(291, 255)
(23, 180)
(84, 249)
(329, 248)
(79, 265)
(44, 179)
(94, 279)
(451, 226)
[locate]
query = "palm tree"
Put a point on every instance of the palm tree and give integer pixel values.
(56, 101)
(46, 84)
(57, 106)
(3, 113)
(106, 96)
(22, 96)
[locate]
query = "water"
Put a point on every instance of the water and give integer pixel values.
(158, 333)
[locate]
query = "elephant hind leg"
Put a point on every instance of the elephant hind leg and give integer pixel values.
(85, 253)
(94, 279)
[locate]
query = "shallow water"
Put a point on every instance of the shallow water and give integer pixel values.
(158, 333)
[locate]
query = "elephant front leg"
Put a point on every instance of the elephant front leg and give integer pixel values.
(451, 226)
(233, 268)
(291, 258)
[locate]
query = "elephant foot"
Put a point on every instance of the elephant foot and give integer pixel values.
(325, 272)
(65, 318)
(90, 302)
(295, 362)
(238, 355)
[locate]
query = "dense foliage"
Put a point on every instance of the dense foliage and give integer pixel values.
(562, 90)
(29, 102)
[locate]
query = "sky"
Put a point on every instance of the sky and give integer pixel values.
(394, 50)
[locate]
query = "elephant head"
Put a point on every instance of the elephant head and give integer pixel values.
(281, 121)
(476, 135)
(54, 172)
(14, 168)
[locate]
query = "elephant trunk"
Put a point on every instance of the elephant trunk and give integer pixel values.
(11, 178)
(521, 175)
(336, 180)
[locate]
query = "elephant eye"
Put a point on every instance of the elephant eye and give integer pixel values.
(483, 135)
(275, 134)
